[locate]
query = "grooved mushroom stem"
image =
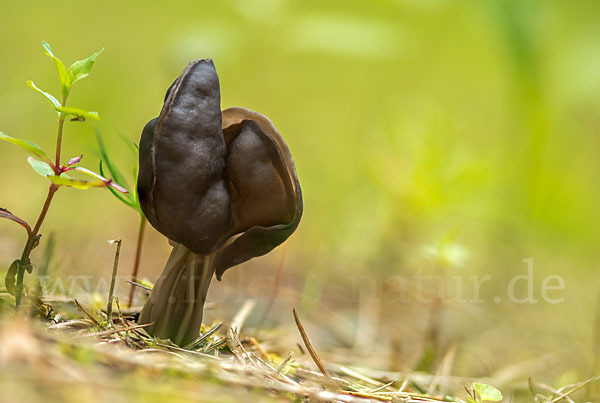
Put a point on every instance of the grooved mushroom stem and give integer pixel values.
(177, 300)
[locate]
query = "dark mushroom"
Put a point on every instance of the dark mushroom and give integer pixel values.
(221, 186)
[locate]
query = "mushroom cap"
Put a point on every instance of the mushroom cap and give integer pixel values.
(266, 195)
(181, 182)
(218, 183)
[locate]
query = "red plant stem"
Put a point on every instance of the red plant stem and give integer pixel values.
(61, 123)
(138, 255)
(30, 244)
(33, 236)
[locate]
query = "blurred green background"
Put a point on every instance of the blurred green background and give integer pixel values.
(427, 134)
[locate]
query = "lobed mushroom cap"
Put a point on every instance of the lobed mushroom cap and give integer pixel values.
(220, 183)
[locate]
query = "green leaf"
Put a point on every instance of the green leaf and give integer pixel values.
(131, 145)
(78, 114)
(487, 392)
(26, 145)
(66, 180)
(40, 167)
(114, 172)
(107, 182)
(81, 68)
(60, 68)
(10, 280)
(48, 96)
(123, 198)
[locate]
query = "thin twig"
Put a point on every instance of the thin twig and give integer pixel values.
(86, 313)
(109, 305)
(142, 286)
(112, 331)
(310, 348)
(138, 256)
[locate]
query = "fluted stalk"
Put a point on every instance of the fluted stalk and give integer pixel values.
(176, 302)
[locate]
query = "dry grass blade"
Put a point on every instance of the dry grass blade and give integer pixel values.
(403, 386)
(70, 325)
(443, 371)
(285, 362)
(359, 376)
(533, 385)
(576, 388)
(370, 396)
(240, 318)
(86, 313)
(274, 371)
(238, 349)
(142, 286)
(311, 350)
(260, 348)
(382, 387)
(203, 337)
(233, 333)
(113, 331)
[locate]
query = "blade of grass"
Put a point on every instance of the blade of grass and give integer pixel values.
(204, 337)
(576, 388)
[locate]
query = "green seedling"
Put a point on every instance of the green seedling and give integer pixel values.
(481, 392)
(57, 173)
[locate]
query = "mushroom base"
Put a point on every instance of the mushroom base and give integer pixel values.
(176, 302)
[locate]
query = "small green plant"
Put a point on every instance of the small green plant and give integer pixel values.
(130, 199)
(53, 169)
(481, 392)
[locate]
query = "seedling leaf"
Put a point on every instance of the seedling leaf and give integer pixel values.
(77, 113)
(60, 68)
(108, 182)
(40, 167)
(66, 180)
(131, 145)
(11, 277)
(104, 157)
(48, 96)
(124, 198)
(487, 392)
(81, 68)
(26, 145)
